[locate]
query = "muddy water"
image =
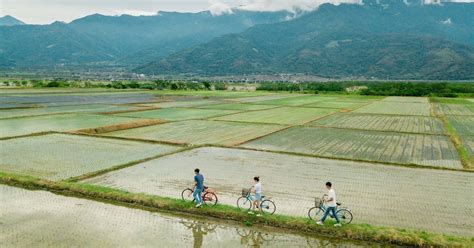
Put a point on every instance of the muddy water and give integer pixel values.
(377, 194)
(43, 219)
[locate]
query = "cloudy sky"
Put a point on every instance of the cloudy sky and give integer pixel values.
(47, 11)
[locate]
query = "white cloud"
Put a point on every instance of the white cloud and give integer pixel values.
(276, 5)
(219, 8)
(135, 12)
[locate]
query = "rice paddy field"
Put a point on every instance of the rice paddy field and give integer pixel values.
(393, 160)
(378, 194)
(60, 156)
(283, 115)
(392, 123)
(424, 150)
(61, 122)
(51, 220)
(200, 132)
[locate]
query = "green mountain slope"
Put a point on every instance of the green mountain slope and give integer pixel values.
(389, 40)
(10, 21)
(120, 39)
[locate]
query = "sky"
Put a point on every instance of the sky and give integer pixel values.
(48, 11)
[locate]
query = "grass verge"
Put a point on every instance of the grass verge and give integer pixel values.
(466, 159)
(362, 232)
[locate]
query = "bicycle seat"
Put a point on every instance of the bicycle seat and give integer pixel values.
(338, 203)
(205, 187)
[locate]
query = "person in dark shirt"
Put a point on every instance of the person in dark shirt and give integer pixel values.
(198, 187)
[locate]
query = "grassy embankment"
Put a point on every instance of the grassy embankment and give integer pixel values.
(363, 232)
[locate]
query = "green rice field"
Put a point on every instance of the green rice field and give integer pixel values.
(94, 108)
(393, 123)
(394, 160)
(396, 108)
(176, 114)
(200, 132)
(60, 122)
(283, 115)
(428, 150)
(59, 156)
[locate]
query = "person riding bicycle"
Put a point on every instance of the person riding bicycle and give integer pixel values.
(331, 205)
(198, 187)
(257, 189)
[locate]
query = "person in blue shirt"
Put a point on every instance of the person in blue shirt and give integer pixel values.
(198, 187)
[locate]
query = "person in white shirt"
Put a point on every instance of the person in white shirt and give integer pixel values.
(257, 189)
(330, 205)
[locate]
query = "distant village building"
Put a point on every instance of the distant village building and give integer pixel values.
(356, 88)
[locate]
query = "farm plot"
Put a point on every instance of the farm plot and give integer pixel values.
(468, 142)
(464, 125)
(262, 98)
(78, 99)
(43, 219)
(396, 108)
(94, 108)
(454, 109)
(402, 148)
(177, 104)
(377, 194)
(338, 105)
(59, 156)
(200, 132)
(176, 114)
(283, 115)
(237, 106)
(410, 124)
(406, 99)
(297, 101)
(65, 122)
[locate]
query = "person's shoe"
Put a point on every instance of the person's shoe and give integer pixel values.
(199, 205)
(319, 223)
(337, 224)
(250, 212)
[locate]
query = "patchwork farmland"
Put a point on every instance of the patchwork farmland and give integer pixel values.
(394, 160)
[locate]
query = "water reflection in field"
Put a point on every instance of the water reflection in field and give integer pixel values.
(43, 219)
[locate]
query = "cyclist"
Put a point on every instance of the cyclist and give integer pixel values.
(331, 205)
(257, 189)
(198, 187)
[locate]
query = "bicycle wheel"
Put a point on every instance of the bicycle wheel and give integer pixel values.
(267, 207)
(187, 195)
(244, 203)
(315, 213)
(344, 215)
(210, 199)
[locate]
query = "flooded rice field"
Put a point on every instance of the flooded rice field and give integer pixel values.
(60, 156)
(43, 219)
(376, 193)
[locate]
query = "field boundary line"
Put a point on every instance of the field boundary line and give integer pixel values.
(375, 130)
(125, 139)
(123, 166)
(262, 136)
(362, 232)
(120, 126)
(28, 135)
(382, 163)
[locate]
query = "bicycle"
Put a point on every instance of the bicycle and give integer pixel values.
(245, 202)
(209, 196)
(315, 213)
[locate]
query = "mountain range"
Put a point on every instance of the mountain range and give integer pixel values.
(384, 39)
(125, 40)
(10, 21)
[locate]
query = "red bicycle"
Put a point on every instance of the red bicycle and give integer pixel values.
(208, 195)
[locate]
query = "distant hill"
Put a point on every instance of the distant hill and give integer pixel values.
(125, 39)
(381, 39)
(10, 21)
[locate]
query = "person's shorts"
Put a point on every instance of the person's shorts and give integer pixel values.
(257, 197)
